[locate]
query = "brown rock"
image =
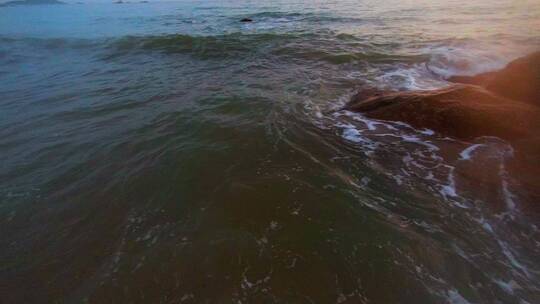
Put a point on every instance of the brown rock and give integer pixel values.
(519, 80)
(461, 111)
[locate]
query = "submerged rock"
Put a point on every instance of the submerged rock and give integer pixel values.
(246, 20)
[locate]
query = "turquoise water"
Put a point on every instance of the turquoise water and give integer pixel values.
(164, 152)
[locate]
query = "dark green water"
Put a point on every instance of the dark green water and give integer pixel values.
(166, 153)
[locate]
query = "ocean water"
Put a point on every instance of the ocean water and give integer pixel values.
(164, 152)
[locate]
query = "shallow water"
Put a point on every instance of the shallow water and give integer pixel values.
(166, 153)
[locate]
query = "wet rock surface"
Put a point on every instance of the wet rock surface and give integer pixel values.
(461, 111)
(504, 103)
(519, 80)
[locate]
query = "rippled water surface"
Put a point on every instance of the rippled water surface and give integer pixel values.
(167, 153)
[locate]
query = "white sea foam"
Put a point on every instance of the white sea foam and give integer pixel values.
(449, 190)
(371, 124)
(448, 62)
(509, 197)
(487, 227)
(467, 153)
(353, 134)
(427, 132)
(510, 256)
(468, 57)
(415, 77)
(509, 286)
(453, 58)
(454, 297)
(416, 140)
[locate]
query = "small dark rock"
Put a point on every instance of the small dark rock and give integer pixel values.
(246, 20)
